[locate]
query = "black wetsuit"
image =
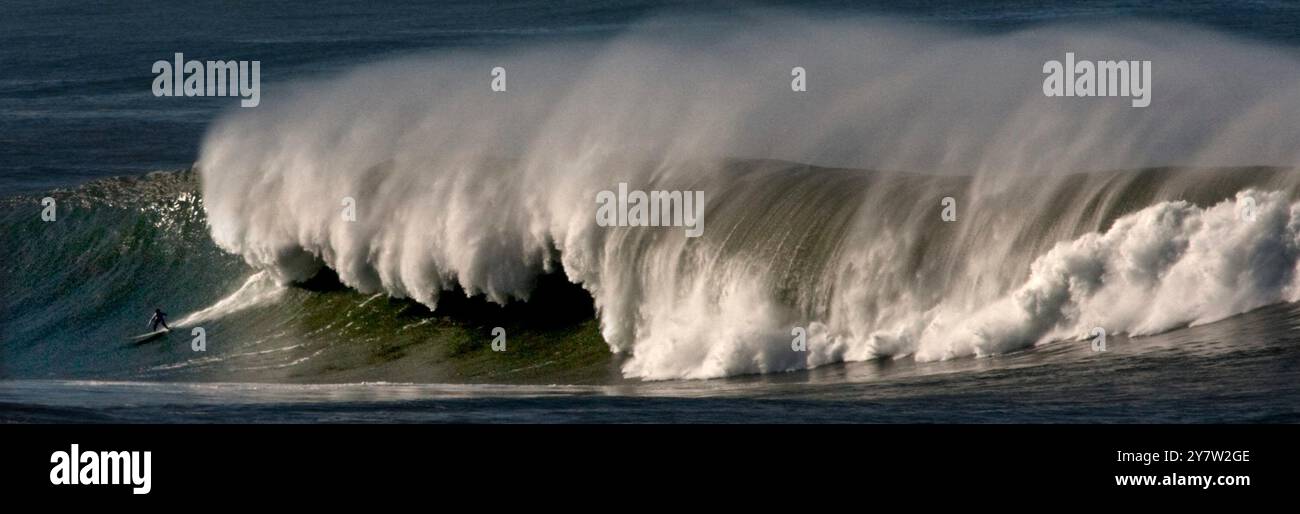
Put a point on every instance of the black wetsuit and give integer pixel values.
(158, 319)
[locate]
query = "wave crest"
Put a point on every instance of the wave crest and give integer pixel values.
(458, 187)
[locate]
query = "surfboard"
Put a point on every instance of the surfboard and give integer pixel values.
(144, 338)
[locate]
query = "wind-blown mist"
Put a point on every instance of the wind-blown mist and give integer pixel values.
(1061, 225)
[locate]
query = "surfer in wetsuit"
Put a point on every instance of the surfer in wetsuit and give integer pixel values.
(159, 318)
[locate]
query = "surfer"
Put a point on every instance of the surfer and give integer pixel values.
(159, 318)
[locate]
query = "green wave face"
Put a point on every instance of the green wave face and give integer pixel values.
(79, 286)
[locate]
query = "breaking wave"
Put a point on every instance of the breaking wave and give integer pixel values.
(1071, 213)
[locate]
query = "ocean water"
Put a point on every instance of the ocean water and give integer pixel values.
(474, 211)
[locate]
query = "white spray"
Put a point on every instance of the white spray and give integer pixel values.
(455, 184)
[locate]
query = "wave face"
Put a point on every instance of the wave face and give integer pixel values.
(458, 188)
(76, 287)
